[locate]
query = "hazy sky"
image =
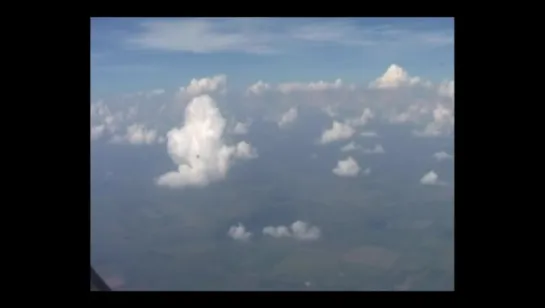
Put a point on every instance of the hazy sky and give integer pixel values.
(279, 121)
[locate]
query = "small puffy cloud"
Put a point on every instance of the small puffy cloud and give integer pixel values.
(350, 147)
(394, 77)
(245, 150)
(241, 128)
(299, 230)
(430, 178)
(338, 131)
(304, 231)
(363, 119)
(239, 233)
(258, 88)
(378, 149)
(137, 134)
(277, 232)
(198, 147)
(369, 134)
(288, 117)
(201, 86)
(440, 156)
(347, 168)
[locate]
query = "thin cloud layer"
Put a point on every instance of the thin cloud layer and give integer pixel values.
(299, 230)
(378, 149)
(273, 36)
(198, 147)
(369, 134)
(350, 147)
(347, 168)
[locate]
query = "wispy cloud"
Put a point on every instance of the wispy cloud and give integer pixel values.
(269, 36)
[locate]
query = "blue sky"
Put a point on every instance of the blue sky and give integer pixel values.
(134, 54)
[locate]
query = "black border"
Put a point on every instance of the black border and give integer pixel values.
(61, 212)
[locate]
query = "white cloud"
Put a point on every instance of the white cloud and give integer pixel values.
(277, 232)
(305, 232)
(241, 128)
(363, 119)
(137, 134)
(239, 233)
(157, 92)
(442, 123)
(312, 86)
(289, 117)
(369, 134)
(442, 156)
(446, 88)
(299, 230)
(206, 85)
(378, 149)
(103, 120)
(198, 147)
(430, 178)
(272, 35)
(258, 88)
(338, 131)
(97, 131)
(395, 77)
(350, 147)
(347, 168)
(245, 150)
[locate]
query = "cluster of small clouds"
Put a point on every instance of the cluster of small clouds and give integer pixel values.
(298, 230)
(121, 127)
(202, 155)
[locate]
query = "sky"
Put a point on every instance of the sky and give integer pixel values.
(136, 54)
(273, 154)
